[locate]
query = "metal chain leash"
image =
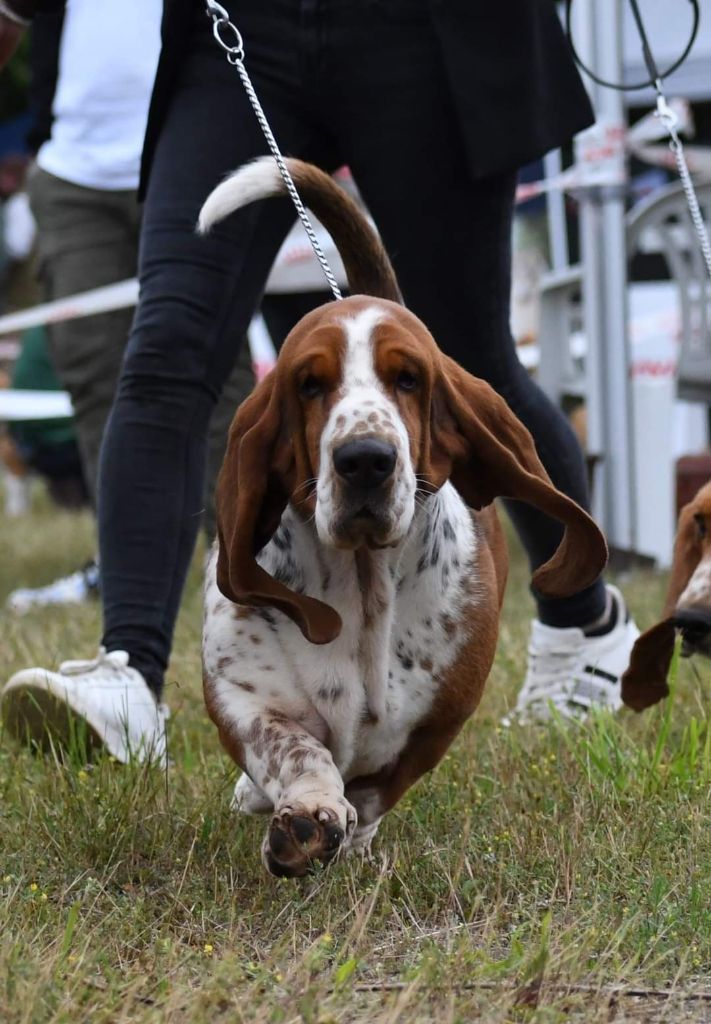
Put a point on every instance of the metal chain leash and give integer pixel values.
(670, 121)
(228, 37)
(665, 114)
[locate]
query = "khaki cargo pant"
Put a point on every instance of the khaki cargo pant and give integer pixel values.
(88, 238)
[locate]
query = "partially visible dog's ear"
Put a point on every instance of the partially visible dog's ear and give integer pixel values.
(644, 682)
(486, 452)
(687, 555)
(253, 489)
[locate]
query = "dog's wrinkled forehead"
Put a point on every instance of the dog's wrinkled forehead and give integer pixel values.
(350, 331)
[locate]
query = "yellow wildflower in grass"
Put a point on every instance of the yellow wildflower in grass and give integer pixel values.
(33, 887)
(208, 949)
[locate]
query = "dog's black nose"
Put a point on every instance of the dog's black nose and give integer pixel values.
(365, 464)
(694, 623)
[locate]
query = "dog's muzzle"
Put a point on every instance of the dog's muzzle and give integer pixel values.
(695, 627)
(365, 469)
(365, 464)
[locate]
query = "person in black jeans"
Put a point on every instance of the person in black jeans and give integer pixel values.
(433, 104)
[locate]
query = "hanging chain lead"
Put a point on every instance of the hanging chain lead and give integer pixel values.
(228, 37)
(669, 119)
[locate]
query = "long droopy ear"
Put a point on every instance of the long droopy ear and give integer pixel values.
(687, 555)
(645, 681)
(254, 486)
(486, 452)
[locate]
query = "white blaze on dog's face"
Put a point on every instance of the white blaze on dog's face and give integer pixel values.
(692, 569)
(697, 592)
(366, 484)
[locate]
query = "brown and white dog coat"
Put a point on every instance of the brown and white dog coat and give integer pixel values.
(352, 601)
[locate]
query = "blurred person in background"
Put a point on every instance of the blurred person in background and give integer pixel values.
(91, 103)
(46, 447)
(17, 235)
(93, 67)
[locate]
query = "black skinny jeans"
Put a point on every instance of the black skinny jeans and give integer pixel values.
(342, 82)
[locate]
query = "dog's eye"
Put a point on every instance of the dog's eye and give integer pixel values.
(700, 525)
(311, 387)
(406, 381)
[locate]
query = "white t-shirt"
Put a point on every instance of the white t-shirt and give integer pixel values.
(107, 62)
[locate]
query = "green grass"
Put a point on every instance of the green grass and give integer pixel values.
(539, 874)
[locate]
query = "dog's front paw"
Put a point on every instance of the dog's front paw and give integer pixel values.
(298, 836)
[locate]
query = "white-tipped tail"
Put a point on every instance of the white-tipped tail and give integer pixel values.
(256, 180)
(366, 262)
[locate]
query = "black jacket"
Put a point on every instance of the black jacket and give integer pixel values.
(514, 84)
(513, 80)
(44, 68)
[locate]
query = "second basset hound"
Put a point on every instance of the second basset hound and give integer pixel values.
(352, 601)
(687, 608)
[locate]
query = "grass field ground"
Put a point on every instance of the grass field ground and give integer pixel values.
(546, 874)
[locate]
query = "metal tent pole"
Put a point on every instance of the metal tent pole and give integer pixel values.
(555, 212)
(605, 290)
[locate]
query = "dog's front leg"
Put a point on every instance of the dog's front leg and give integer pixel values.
(312, 819)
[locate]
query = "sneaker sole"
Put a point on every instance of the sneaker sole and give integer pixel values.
(38, 718)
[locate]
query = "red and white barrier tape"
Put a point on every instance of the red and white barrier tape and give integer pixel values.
(600, 160)
(122, 295)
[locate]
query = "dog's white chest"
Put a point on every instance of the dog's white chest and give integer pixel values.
(362, 694)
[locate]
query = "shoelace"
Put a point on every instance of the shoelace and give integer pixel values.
(564, 676)
(115, 661)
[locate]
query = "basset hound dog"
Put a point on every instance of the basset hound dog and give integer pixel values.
(353, 597)
(687, 608)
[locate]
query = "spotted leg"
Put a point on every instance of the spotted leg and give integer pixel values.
(312, 819)
(248, 799)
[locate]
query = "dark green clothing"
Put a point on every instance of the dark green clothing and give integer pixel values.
(33, 371)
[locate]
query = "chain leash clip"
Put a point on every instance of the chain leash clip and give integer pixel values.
(665, 114)
(221, 23)
(228, 37)
(671, 122)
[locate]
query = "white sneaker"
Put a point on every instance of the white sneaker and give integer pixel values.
(72, 589)
(106, 697)
(575, 672)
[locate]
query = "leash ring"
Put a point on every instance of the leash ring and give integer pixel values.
(235, 57)
(235, 49)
